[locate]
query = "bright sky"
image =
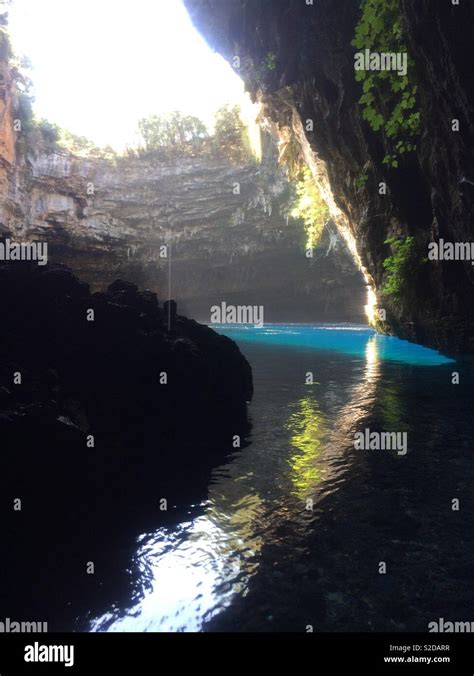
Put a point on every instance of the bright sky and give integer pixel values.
(101, 65)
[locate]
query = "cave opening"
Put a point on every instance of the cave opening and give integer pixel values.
(202, 409)
(183, 160)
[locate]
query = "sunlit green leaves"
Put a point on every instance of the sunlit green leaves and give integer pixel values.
(400, 266)
(311, 208)
(389, 100)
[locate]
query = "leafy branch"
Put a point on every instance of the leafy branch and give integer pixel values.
(389, 99)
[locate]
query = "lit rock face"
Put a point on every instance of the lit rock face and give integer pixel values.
(431, 196)
(7, 133)
(226, 228)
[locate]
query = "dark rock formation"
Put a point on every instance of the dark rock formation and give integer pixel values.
(107, 350)
(100, 421)
(429, 196)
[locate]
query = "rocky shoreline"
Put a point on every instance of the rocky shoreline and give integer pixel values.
(107, 419)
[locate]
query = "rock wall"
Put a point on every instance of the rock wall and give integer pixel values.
(226, 227)
(430, 196)
(109, 219)
(8, 103)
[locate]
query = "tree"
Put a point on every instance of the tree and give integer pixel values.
(75, 143)
(230, 134)
(24, 111)
(49, 131)
(176, 133)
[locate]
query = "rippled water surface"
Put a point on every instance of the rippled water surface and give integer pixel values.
(297, 522)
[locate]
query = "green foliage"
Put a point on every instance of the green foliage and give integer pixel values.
(311, 208)
(77, 144)
(290, 156)
(50, 131)
(401, 266)
(389, 99)
(25, 111)
(270, 61)
(265, 66)
(360, 181)
(230, 135)
(176, 133)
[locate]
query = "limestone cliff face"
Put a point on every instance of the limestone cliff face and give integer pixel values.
(7, 133)
(430, 196)
(226, 230)
(107, 220)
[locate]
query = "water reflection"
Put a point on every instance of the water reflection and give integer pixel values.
(372, 358)
(306, 427)
(302, 446)
(191, 572)
(182, 568)
(320, 447)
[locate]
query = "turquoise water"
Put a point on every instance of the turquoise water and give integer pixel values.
(296, 519)
(353, 340)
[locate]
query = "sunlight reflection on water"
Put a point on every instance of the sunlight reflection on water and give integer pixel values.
(192, 572)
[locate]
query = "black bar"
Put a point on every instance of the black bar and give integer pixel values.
(324, 654)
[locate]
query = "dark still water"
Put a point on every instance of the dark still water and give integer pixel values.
(299, 526)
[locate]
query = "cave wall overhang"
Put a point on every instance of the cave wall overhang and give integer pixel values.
(310, 76)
